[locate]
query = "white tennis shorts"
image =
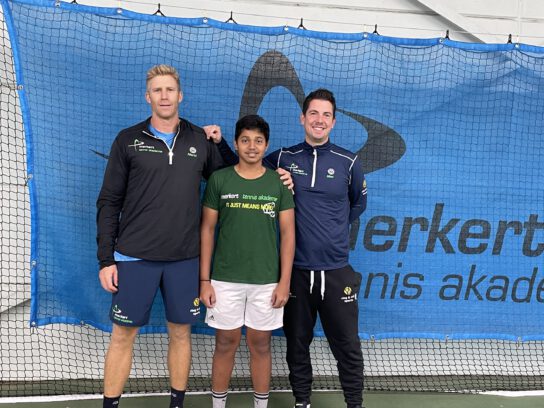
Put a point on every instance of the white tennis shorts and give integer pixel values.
(239, 304)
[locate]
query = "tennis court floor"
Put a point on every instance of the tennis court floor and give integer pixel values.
(319, 400)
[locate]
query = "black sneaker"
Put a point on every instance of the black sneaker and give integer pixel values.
(302, 405)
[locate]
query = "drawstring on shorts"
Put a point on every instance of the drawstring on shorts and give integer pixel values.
(312, 279)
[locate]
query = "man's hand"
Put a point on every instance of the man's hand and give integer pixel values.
(287, 179)
(109, 278)
(207, 294)
(213, 132)
(280, 296)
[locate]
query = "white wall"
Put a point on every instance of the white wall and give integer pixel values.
(486, 21)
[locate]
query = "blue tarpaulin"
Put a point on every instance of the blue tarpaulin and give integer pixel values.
(450, 134)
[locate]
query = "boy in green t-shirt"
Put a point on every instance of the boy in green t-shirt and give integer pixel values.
(249, 202)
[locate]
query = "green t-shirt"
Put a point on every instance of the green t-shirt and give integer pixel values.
(246, 250)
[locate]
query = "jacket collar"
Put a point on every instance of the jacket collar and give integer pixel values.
(324, 146)
(182, 124)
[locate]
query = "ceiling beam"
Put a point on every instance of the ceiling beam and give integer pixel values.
(472, 28)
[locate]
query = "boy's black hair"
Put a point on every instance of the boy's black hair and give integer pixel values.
(321, 94)
(252, 122)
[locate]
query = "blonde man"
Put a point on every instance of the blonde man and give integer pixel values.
(148, 231)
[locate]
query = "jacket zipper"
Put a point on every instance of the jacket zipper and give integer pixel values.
(313, 168)
(170, 149)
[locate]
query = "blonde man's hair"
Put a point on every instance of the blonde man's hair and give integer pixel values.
(160, 70)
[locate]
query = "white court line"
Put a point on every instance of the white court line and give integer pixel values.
(75, 397)
(53, 398)
(537, 393)
(12, 400)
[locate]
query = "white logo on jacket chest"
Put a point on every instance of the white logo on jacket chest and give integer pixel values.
(140, 146)
(330, 173)
(192, 152)
(294, 169)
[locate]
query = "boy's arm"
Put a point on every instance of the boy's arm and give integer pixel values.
(287, 254)
(207, 235)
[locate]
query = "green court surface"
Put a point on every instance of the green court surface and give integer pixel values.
(319, 400)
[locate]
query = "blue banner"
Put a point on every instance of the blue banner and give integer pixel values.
(452, 242)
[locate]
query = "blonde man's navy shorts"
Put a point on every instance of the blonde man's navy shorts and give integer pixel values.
(139, 282)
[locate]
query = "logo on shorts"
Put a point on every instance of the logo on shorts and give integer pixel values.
(350, 295)
(192, 152)
(195, 311)
(117, 316)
